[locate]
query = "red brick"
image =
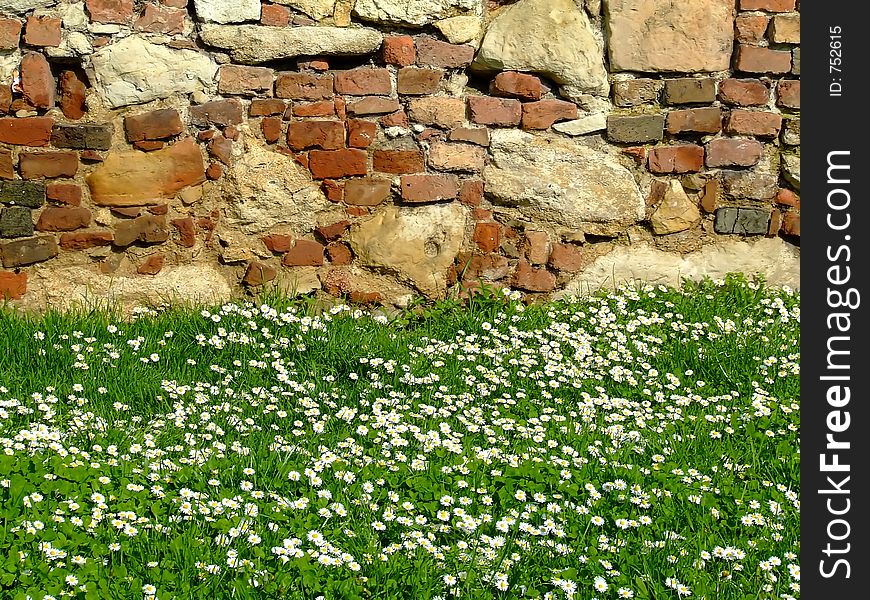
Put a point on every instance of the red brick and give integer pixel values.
(791, 224)
(277, 242)
(159, 209)
(768, 5)
(214, 172)
(516, 85)
(221, 148)
(10, 34)
(415, 81)
(186, 232)
(694, 120)
(326, 135)
(490, 267)
(82, 240)
(486, 236)
(429, 188)
(363, 81)
(751, 59)
(332, 164)
(47, 164)
(69, 194)
(110, 11)
(537, 247)
(42, 31)
(396, 119)
(472, 135)
(72, 96)
(266, 107)
(471, 192)
(443, 112)
(333, 190)
(259, 273)
(495, 111)
(312, 64)
(398, 161)
(749, 122)
(7, 169)
(566, 257)
(435, 53)
(373, 105)
(274, 15)
(786, 197)
(366, 191)
(360, 133)
(304, 253)
(399, 50)
(531, 279)
(149, 145)
(159, 124)
(231, 132)
(217, 112)
(733, 152)
(543, 113)
(750, 29)
(339, 254)
(788, 93)
(61, 218)
(245, 81)
(683, 158)
(332, 232)
(271, 128)
(743, 92)
(151, 265)
(304, 86)
(155, 19)
(37, 81)
(318, 108)
(12, 285)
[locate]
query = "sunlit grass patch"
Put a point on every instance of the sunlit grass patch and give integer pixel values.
(639, 444)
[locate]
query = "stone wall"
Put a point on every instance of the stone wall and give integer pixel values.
(381, 149)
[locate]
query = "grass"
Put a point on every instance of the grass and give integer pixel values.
(641, 443)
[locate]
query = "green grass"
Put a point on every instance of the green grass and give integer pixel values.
(644, 441)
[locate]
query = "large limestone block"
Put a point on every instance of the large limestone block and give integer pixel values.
(286, 42)
(418, 244)
(134, 71)
(551, 37)
(138, 178)
(316, 9)
(414, 12)
(263, 189)
(683, 36)
(19, 7)
(554, 179)
(227, 11)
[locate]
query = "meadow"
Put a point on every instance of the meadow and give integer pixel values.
(642, 443)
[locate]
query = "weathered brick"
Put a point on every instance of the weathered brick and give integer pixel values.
(217, 112)
(490, 267)
(543, 113)
(399, 50)
(259, 273)
(526, 277)
(473, 135)
(22, 193)
(10, 34)
(72, 96)
(786, 197)
(753, 122)
(690, 90)
(156, 19)
(151, 265)
(274, 15)
(537, 246)
(221, 148)
(744, 92)
(435, 53)
(373, 105)
(751, 59)
(317, 108)
(150, 229)
(271, 128)
(633, 92)
(155, 125)
(363, 81)
(796, 61)
(277, 242)
(429, 188)
(441, 112)
(768, 5)
(20, 253)
(502, 112)
(5, 98)
(785, 29)
(304, 253)
(33, 165)
(334, 231)
(788, 93)
(750, 29)
(635, 129)
(516, 85)
(81, 137)
(487, 236)
(15, 221)
(415, 81)
(733, 152)
(566, 257)
(12, 285)
(63, 218)
(266, 107)
(7, 170)
(326, 135)
(110, 11)
(361, 133)
(37, 81)
(69, 194)
(750, 184)
(682, 158)
(455, 156)
(695, 120)
(333, 164)
(82, 240)
(366, 191)
(710, 196)
(186, 232)
(339, 253)
(149, 145)
(398, 161)
(742, 221)
(42, 30)
(791, 224)
(471, 192)
(245, 81)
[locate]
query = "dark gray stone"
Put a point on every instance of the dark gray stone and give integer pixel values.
(22, 193)
(82, 137)
(15, 221)
(742, 221)
(635, 129)
(725, 220)
(28, 251)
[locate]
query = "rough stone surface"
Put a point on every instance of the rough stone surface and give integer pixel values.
(413, 12)
(551, 37)
(316, 9)
(22, 193)
(635, 129)
(15, 221)
(750, 184)
(20, 7)
(743, 221)
(227, 11)
(556, 180)
(791, 169)
(584, 125)
(20, 253)
(287, 42)
(676, 212)
(461, 29)
(684, 36)
(418, 244)
(135, 71)
(264, 189)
